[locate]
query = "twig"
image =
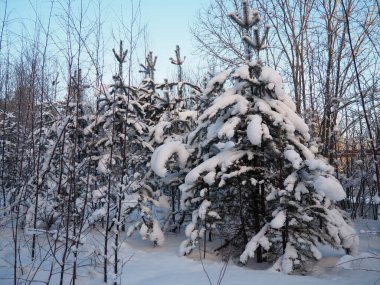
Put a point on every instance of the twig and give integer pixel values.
(204, 269)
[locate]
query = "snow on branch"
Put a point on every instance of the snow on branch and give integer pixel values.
(164, 152)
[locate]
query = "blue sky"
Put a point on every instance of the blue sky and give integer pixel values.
(167, 23)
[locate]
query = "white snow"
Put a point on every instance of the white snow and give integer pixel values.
(255, 130)
(279, 220)
(158, 131)
(342, 231)
(98, 193)
(157, 235)
(228, 128)
(188, 114)
(294, 157)
(163, 202)
(288, 259)
(164, 152)
(189, 229)
(223, 159)
(315, 251)
(242, 72)
(166, 266)
(363, 261)
(102, 164)
(203, 209)
(218, 80)
(319, 165)
(210, 178)
(331, 187)
(238, 104)
(269, 75)
(97, 215)
(258, 239)
(290, 181)
(226, 176)
(290, 118)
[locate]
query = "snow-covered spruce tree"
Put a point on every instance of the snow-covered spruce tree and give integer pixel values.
(257, 182)
(50, 129)
(122, 187)
(177, 116)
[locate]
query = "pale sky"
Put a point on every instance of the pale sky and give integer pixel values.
(167, 22)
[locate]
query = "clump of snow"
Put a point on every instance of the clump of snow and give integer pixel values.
(203, 209)
(163, 202)
(266, 133)
(144, 231)
(224, 145)
(218, 80)
(242, 72)
(157, 236)
(153, 232)
(102, 164)
(239, 105)
(158, 131)
(164, 152)
(213, 214)
(291, 118)
(315, 251)
(188, 114)
(255, 130)
(229, 127)
(269, 75)
(254, 243)
(98, 194)
(290, 181)
(189, 229)
(97, 215)
(342, 232)
(203, 192)
(210, 178)
(288, 259)
(229, 175)
(223, 159)
(279, 220)
(293, 157)
(130, 201)
(306, 152)
(331, 187)
(319, 165)
(270, 86)
(185, 247)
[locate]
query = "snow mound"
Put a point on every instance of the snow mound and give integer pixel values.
(363, 261)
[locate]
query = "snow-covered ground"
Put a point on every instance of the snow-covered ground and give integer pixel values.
(145, 264)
